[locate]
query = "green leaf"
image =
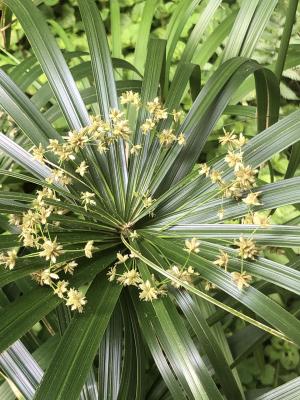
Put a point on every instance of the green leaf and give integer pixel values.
(207, 109)
(20, 366)
(24, 113)
(115, 22)
(106, 92)
(51, 60)
(179, 348)
(110, 356)
(207, 341)
(253, 299)
(140, 53)
(74, 356)
(288, 391)
(19, 316)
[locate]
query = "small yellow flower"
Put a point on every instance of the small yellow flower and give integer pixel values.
(69, 267)
(204, 169)
(76, 300)
(147, 126)
(51, 250)
(247, 248)
(15, 219)
(112, 274)
(176, 115)
(192, 245)
(216, 176)
(38, 153)
(134, 235)
(135, 149)
(222, 260)
(234, 159)
(9, 259)
(240, 141)
(81, 170)
(130, 278)
(122, 258)
(241, 279)
(229, 138)
(209, 286)
(167, 137)
(61, 288)
(147, 291)
(130, 97)
(256, 219)
(252, 199)
(181, 139)
(87, 199)
(245, 176)
(89, 248)
(47, 276)
(185, 275)
(115, 115)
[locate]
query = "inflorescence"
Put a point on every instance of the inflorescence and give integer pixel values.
(36, 225)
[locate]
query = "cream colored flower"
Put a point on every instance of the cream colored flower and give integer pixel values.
(147, 126)
(192, 245)
(47, 276)
(9, 259)
(216, 176)
(240, 141)
(130, 97)
(147, 291)
(234, 159)
(122, 258)
(181, 139)
(69, 267)
(228, 138)
(51, 250)
(38, 153)
(82, 168)
(167, 137)
(209, 286)
(247, 248)
(222, 260)
(87, 199)
(61, 288)
(89, 248)
(130, 278)
(176, 115)
(256, 219)
(204, 169)
(77, 139)
(147, 201)
(15, 219)
(245, 176)
(134, 235)
(252, 199)
(184, 275)
(135, 149)
(241, 279)
(112, 274)
(76, 300)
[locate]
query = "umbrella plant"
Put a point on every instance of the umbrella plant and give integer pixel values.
(130, 252)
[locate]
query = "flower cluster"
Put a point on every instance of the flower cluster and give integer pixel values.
(101, 134)
(151, 289)
(38, 226)
(239, 188)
